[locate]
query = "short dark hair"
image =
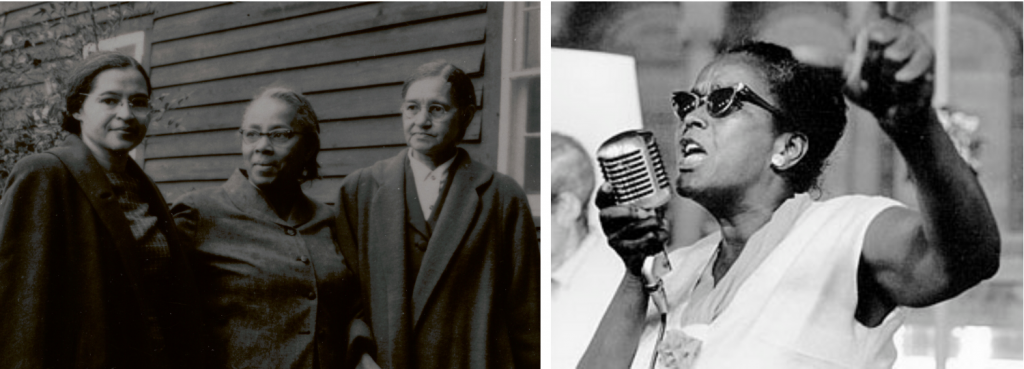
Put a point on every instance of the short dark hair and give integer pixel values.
(576, 176)
(305, 116)
(80, 83)
(812, 100)
(463, 94)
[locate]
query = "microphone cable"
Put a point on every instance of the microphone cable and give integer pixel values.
(656, 291)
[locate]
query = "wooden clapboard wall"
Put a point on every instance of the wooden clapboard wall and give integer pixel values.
(349, 58)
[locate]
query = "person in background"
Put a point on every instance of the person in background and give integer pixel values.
(584, 271)
(445, 248)
(92, 274)
(275, 290)
(787, 281)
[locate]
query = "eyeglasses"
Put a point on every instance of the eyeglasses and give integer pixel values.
(720, 102)
(278, 137)
(138, 104)
(434, 111)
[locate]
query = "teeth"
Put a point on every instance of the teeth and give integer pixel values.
(690, 148)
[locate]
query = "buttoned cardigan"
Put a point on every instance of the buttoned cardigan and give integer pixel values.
(276, 293)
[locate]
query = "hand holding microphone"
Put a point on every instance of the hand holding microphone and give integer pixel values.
(634, 233)
(633, 198)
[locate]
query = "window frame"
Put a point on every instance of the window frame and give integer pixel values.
(512, 134)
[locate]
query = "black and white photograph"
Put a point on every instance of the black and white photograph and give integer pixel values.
(552, 184)
(785, 185)
(270, 185)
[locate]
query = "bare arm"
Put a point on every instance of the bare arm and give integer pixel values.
(614, 344)
(918, 258)
(633, 234)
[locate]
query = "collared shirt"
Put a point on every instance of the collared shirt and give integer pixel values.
(581, 289)
(429, 183)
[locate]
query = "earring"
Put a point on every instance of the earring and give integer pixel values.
(778, 160)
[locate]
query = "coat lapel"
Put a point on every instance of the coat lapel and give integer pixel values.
(92, 178)
(458, 213)
(386, 249)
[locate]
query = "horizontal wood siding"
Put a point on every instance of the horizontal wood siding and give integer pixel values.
(315, 26)
(236, 15)
(166, 9)
(350, 59)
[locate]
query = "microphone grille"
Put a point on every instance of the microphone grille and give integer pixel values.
(632, 163)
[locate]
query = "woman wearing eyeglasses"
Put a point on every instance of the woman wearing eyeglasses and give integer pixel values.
(92, 274)
(788, 281)
(275, 291)
(445, 247)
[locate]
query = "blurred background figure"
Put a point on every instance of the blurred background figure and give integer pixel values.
(584, 271)
(977, 79)
(594, 96)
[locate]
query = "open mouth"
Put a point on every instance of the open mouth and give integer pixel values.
(692, 154)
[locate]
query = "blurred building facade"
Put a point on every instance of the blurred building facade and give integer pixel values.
(982, 75)
(349, 59)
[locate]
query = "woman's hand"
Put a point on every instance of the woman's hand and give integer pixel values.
(890, 72)
(917, 258)
(634, 233)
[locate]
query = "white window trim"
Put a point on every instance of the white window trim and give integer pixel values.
(512, 136)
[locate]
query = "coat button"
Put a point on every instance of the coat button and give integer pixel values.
(303, 259)
(289, 231)
(312, 295)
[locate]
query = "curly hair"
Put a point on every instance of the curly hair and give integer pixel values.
(812, 100)
(304, 117)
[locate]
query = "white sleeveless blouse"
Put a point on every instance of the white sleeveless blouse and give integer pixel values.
(797, 308)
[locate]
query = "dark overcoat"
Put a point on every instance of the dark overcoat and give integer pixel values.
(476, 300)
(71, 291)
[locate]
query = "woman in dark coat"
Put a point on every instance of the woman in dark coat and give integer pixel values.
(445, 247)
(91, 272)
(275, 290)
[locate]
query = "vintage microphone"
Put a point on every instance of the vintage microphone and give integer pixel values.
(632, 164)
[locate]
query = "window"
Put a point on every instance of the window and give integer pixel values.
(132, 44)
(519, 123)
